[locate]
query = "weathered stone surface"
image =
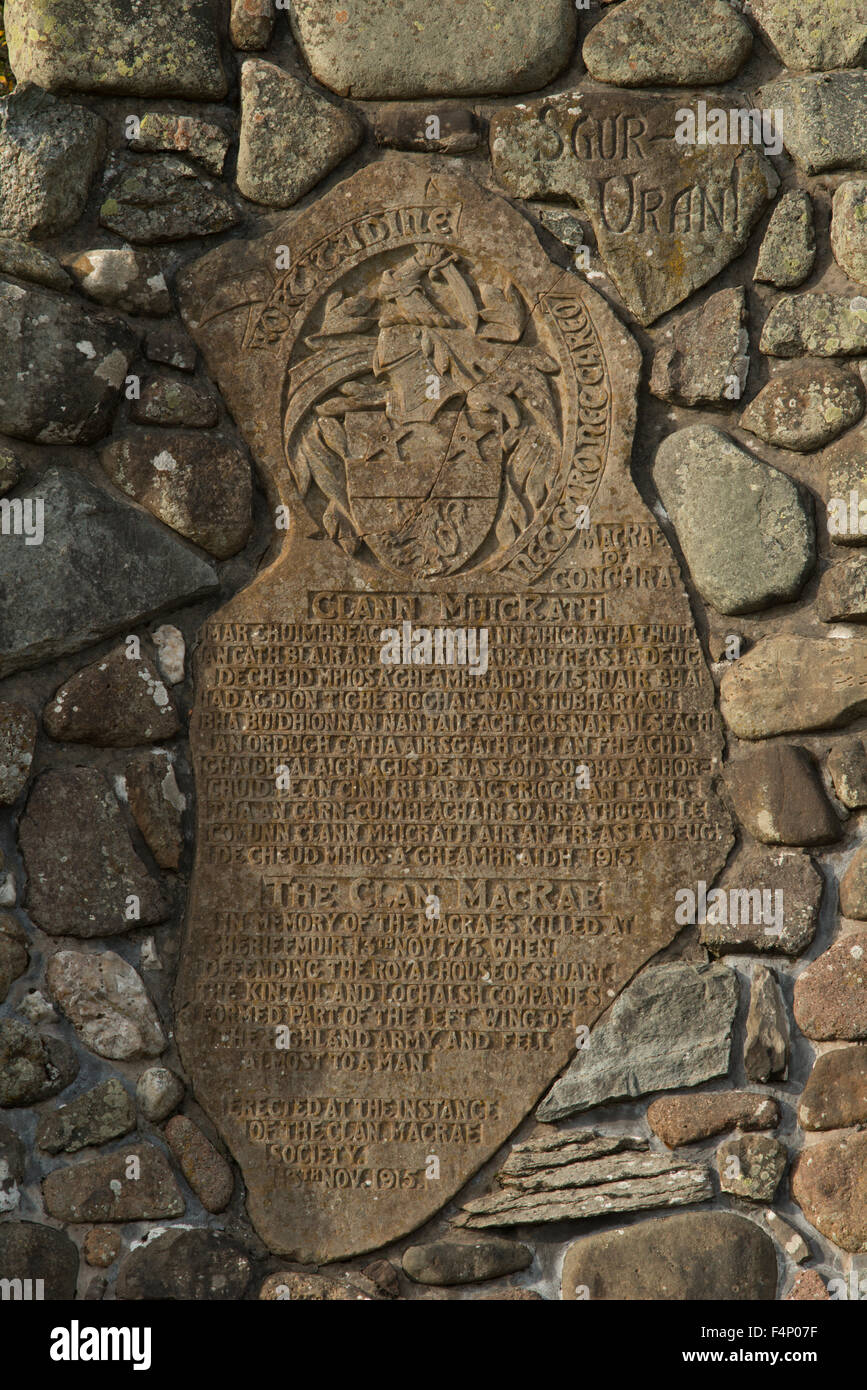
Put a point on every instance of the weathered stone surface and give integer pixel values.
(847, 764)
(101, 1189)
(679, 1120)
(170, 403)
(778, 795)
(101, 1246)
(116, 702)
(289, 1285)
(168, 50)
(842, 593)
(104, 1113)
(157, 804)
(806, 407)
(705, 356)
(101, 567)
(586, 1190)
(746, 529)
(383, 1274)
(651, 204)
(207, 1172)
(33, 1067)
(405, 48)
(202, 141)
(831, 995)
(200, 485)
(835, 1095)
(464, 1262)
(61, 367)
(808, 1287)
(29, 1252)
(853, 887)
(788, 247)
(815, 35)
(17, 745)
(785, 879)
(824, 118)
(27, 262)
(428, 127)
(158, 1092)
(12, 1168)
(187, 1265)
(126, 279)
(691, 1256)
(291, 137)
(849, 229)
(846, 469)
(49, 154)
(752, 1166)
(791, 684)
(789, 1237)
(171, 652)
(829, 1184)
(160, 198)
(553, 1149)
(106, 1003)
(472, 297)
(826, 325)
(81, 867)
(169, 344)
(672, 1027)
(10, 471)
(669, 43)
(766, 1041)
(251, 23)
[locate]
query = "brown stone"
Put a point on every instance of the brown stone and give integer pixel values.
(207, 1172)
(188, 1265)
(685, 1119)
(831, 995)
(17, 745)
(289, 1285)
(251, 23)
(806, 407)
(808, 1286)
(117, 702)
(842, 596)
(157, 805)
(835, 1095)
(465, 1261)
(102, 1246)
(829, 1184)
(649, 206)
(428, 127)
(131, 1184)
(846, 467)
(782, 920)
(853, 887)
(766, 1042)
(106, 1112)
(107, 1004)
(777, 795)
(168, 402)
(791, 684)
(847, 764)
(400, 511)
(704, 357)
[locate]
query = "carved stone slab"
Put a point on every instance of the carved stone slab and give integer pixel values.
(416, 881)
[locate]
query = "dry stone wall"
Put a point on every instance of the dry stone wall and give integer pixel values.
(433, 730)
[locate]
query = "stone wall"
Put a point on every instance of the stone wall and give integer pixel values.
(703, 168)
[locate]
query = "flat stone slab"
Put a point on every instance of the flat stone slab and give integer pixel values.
(454, 510)
(667, 216)
(792, 684)
(667, 43)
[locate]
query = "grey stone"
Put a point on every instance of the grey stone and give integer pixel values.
(251, 23)
(17, 746)
(29, 1252)
(185, 1264)
(550, 1150)
(189, 135)
(766, 1043)
(49, 154)
(845, 464)
(157, 804)
(169, 344)
(671, 1027)
(166, 50)
(81, 867)
(158, 1092)
(104, 1113)
(704, 357)
(842, 595)
(785, 872)
(447, 1262)
(117, 702)
(204, 1168)
(101, 567)
(125, 279)
(106, 1003)
(847, 764)
(156, 198)
(814, 35)
(27, 262)
(778, 795)
(407, 48)
(746, 530)
(849, 229)
(62, 366)
(789, 1237)
(14, 952)
(752, 1166)
(689, 1257)
(564, 226)
(788, 247)
(823, 118)
(12, 1166)
(33, 1067)
(290, 136)
(806, 407)
(792, 684)
(826, 325)
(103, 1189)
(669, 43)
(171, 403)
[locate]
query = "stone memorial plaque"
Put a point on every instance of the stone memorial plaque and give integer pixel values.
(454, 747)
